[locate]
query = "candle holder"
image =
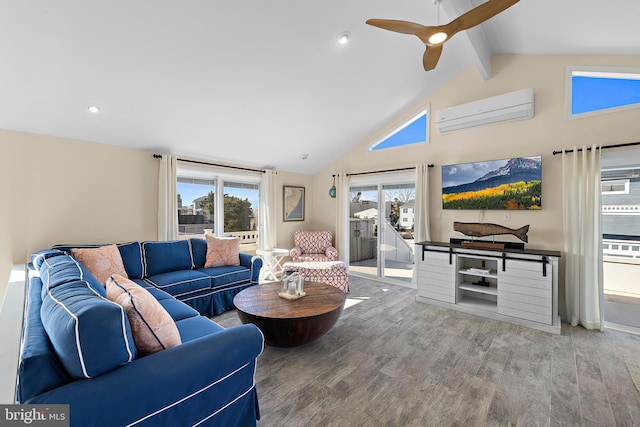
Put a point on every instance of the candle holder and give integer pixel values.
(291, 285)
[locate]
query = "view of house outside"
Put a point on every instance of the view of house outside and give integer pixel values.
(198, 206)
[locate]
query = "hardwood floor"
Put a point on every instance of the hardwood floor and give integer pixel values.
(391, 361)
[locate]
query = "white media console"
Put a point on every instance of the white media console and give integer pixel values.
(512, 285)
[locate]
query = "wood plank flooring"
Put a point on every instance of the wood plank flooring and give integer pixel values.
(391, 361)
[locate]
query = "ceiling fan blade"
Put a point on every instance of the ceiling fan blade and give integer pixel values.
(479, 14)
(404, 27)
(431, 57)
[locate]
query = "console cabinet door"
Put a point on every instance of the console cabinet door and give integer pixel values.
(436, 276)
(524, 292)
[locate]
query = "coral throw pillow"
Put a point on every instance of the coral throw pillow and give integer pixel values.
(222, 251)
(152, 327)
(102, 262)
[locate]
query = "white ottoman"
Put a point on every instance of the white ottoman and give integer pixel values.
(332, 273)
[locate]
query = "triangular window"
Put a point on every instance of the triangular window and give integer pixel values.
(596, 91)
(412, 131)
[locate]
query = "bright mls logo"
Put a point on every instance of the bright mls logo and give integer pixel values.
(34, 415)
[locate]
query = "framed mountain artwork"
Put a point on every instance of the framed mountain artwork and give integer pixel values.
(514, 183)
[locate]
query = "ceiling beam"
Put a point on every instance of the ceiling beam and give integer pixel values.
(475, 37)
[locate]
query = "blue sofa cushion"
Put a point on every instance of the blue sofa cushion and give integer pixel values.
(163, 257)
(178, 310)
(40, 369)
(227, 275)
(158, 294)
(57, 268)
(196, 327)
(199, 251)
(130, 252)
(180, 282)
(89, 334)
(37, 258)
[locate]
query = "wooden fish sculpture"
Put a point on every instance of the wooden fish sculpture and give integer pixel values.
(477, 229)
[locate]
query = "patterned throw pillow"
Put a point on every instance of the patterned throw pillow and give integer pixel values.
(102, 262)
(152, 327)
(222, 251)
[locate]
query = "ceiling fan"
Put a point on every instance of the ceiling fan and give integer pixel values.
(435, 36)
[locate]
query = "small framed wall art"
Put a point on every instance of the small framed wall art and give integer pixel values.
(292, 203)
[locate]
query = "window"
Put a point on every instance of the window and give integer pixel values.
(592, 90)
(615, 187)
(240, 206)
(412, 131)
(196, 205)
(210, 198)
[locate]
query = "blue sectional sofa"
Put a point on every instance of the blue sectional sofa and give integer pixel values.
(177, 267)
(78, 349)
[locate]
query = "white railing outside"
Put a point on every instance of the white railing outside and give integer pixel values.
(245, 236)
(621, 265)
(621, 248)
(621, 209)
(395, 246)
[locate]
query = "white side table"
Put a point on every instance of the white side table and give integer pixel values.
(273, 260)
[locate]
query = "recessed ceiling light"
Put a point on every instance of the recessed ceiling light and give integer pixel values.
(343, 38)
(93, 109)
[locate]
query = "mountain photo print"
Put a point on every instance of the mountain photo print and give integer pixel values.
(499, 184)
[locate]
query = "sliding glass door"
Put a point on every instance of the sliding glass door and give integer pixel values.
(381, 216)
(396, 237)
(620, 177)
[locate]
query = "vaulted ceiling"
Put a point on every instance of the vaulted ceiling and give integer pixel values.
(259, 83)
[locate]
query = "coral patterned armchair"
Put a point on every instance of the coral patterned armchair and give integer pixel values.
(313, 246)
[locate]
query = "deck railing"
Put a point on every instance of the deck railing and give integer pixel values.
(621, 260)
(621, 248)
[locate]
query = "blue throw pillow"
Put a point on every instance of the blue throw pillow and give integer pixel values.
(90, 334)
(162, 257)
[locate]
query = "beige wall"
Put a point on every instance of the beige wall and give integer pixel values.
(286, 229)
(57, 190)
(546, 132)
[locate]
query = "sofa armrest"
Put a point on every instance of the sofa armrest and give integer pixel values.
(253, 263)
(178, 386)
(295, 253)
(331, 253)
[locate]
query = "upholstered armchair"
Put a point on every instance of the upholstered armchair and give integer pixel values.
(313, 246)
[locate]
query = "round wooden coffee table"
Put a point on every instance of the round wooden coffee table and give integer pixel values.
(286, 323)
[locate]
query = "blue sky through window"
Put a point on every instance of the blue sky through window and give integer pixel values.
(595, 93)
(411, 132)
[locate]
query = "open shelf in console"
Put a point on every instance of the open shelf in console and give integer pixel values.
(477, 279)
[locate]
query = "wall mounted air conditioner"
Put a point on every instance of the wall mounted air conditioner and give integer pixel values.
(516, 105)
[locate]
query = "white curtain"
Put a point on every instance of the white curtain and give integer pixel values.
(582, 215)
(167, 199)
(342, 217)
(421, 228)
(267, 234)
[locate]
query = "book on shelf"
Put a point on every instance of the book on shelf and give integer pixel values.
(478, 270)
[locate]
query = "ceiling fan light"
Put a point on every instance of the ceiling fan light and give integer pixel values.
(343, 38)
(438, 38)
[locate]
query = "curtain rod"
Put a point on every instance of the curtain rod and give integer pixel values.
(627, 144)
(159, 156)
(383, 171)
